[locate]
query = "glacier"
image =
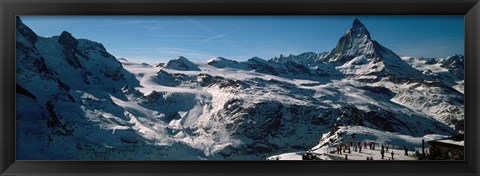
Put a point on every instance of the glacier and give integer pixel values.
(76, 101)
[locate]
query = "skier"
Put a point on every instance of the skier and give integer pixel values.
(423, 148)
(360, 149)
(382, 152)
(392, 155)
(406, 151)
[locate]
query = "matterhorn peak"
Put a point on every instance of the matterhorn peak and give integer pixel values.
(357, 22)
(358, 30)
(357, 54)
(355, 42)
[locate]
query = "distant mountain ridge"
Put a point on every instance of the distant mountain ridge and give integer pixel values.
(307, 58)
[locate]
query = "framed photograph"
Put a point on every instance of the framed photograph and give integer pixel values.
(239, 87)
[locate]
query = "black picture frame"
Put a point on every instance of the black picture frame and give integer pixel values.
(11, 8)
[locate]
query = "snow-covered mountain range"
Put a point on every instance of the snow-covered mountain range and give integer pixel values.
(77, 101)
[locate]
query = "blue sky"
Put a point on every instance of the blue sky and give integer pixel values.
(155, 39)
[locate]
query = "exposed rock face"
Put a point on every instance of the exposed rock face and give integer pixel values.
(69, 44)
(455, 65)
(307, 58)
(25, 31)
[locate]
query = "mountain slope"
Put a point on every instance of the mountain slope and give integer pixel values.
(65, 100)
(181, 63)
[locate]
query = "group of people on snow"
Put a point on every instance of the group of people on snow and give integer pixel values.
(343, 148)
(357, 147)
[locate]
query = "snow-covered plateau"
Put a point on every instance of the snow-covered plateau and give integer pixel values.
(76, 101)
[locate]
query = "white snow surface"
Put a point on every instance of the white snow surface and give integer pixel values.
(108, 109)
(449, 141)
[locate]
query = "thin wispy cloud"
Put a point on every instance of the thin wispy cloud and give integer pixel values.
(200, 25)
(218, 36)
(208, 30)
(148, 25)
(188, 53)
(182, 36)
(109, 23)
(153, 28)
(163, 54)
